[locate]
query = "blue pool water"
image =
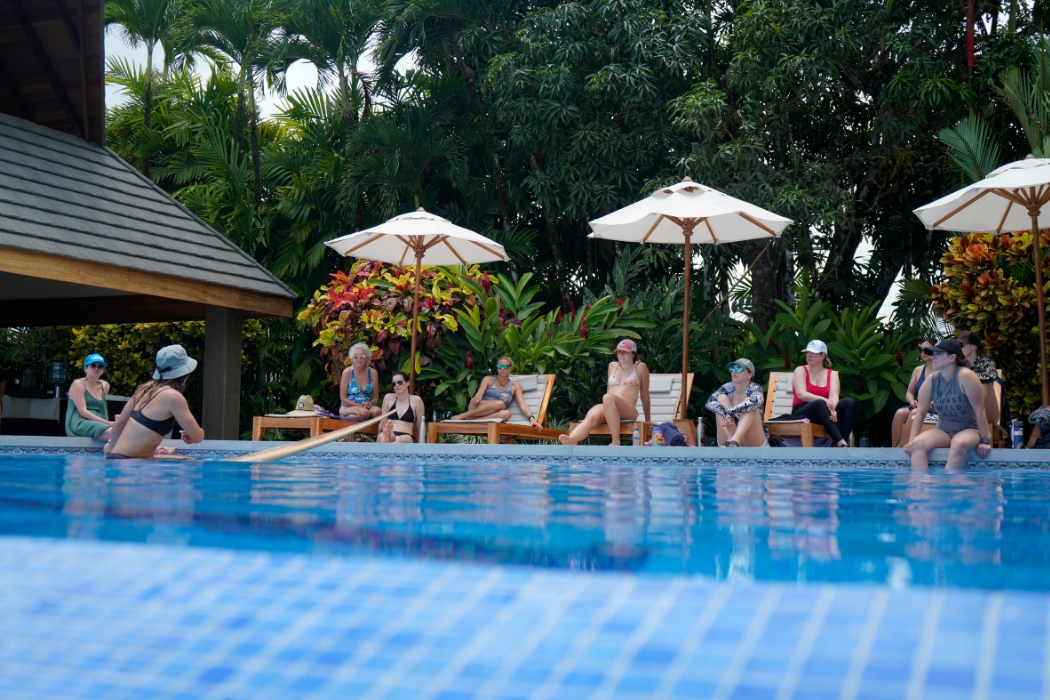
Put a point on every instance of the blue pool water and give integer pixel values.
(982, 528)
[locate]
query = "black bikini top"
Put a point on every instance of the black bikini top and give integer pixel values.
(161, 427)
(408, 416)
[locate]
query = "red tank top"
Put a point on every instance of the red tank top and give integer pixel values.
(824, 391)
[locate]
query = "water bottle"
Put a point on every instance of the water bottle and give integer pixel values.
(1017, 430)
(699, 432)
(636, 439)
(658, 438)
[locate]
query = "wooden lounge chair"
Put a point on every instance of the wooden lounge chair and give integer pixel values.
(996, 431)
(667, 404)
(779, 397)
(314, 424)
(536, 390)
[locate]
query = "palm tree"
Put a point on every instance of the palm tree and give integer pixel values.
(148, 23)
(240, 33)
(334, 35)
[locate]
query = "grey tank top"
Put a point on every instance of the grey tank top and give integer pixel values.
(954, 412)
(494, 394)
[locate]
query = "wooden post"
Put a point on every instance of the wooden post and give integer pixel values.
(415, 320)
(1040, 303)
(222, 373)
(687, 231)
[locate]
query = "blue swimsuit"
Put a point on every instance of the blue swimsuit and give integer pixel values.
(354, 393)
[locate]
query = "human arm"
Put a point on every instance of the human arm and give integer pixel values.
(643, 385)
(833, 392)
(921, 409)
(344, 385)
(910, 393)
(192, 433)
(419, 410)
(1034, 438)
(719, 402)
(76, 395)
(118, 427)
(485, 382)
(519, 396)
(798, 383)
(970, 383)
(374, 398)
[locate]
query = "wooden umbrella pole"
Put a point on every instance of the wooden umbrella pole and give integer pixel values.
(415, 322)
(1040, 303)
(685, 316)
(282, 451)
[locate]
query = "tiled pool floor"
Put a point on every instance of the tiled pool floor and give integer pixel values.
(111, 620)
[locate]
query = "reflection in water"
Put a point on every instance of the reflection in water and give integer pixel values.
(976, 528)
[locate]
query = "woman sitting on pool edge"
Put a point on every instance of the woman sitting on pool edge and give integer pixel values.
(87, 414)
(627, 379)
(961, 422)
(495, 394)
(153, 409)
(358, 400)
(738, 405)
(408, 410)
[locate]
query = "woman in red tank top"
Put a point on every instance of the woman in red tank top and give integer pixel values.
(816, 396)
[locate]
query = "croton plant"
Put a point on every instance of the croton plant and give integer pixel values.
(989, 288)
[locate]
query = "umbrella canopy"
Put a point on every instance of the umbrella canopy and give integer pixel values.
(1011, 198)
(419, 236)
(688, 213)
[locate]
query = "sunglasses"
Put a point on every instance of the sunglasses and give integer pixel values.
(934, 351)
(502, 366)
(738, 368)
(359, 357)
(399, 382)
(97, 365)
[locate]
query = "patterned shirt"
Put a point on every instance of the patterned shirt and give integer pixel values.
(985, 369)
(753, 400)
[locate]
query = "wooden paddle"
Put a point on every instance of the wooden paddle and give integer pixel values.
(282, 451)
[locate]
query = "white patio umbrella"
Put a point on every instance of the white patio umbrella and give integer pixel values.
(419, 235)
(676, 214)
(1011, 198)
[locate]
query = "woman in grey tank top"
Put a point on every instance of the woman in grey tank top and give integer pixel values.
(495, 394)
(962, 424)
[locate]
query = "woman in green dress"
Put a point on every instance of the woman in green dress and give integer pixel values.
(86, 412)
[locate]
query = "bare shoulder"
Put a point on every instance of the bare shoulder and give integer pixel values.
(640, 366)
(968, 376)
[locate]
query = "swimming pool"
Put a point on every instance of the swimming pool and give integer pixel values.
(358, 578)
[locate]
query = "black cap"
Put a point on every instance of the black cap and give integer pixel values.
(947, 345)
(971, 338)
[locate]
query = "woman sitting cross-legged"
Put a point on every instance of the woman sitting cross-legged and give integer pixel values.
(495, 394)
(816, 390)
(408, 410)
(961, 422)
(738, 405)
(627, 379)
(359, 386)
(918, 376)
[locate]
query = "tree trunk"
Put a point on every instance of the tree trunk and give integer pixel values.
(559, 258)
(253, 134)
(347, 107)
(497, 172)
(147, 104)
(767, 281)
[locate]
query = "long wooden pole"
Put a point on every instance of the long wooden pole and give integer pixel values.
(415, 322)
(1040, 303)
(685, 316)
(282, 451)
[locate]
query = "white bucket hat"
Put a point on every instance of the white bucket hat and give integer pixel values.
(173, 362)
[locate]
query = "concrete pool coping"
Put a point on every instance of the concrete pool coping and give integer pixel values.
(858, 457)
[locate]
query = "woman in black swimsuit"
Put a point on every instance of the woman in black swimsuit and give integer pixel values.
(409, 410)
(153, 409)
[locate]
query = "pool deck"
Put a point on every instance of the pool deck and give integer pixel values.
(857, 457)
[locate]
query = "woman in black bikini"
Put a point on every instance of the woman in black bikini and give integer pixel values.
(409, 409)
(153, 409)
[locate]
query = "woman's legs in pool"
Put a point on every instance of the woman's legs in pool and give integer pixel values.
(485, 409)
(610, 410)
(922, 443)
(902, 416)
(962, 443)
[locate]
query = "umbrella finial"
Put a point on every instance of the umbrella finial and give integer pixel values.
(421, 209)
(687, 179)
(1029, 156)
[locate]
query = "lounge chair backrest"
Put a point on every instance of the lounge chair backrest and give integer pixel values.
(779, 395)
(665, 397)
(536, 389)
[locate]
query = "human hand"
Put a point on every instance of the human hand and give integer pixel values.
(185, 437)
(908, 449)
(165, 450)
(983, 450)
(834, 416)
(473, 403)
(914, 403)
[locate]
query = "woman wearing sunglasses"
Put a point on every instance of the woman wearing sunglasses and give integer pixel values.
(359, 386)
(408, 409)
(87, 414)
(738, 405)
(495, 394)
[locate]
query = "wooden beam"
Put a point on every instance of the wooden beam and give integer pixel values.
(67, 22)
(53, 267)
(83, 68)
(45, 63)
(136, 308)
(12, 89)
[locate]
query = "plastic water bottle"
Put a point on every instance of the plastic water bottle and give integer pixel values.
(636, 439)
(1017, 430)
(658, 438)
(699, 432)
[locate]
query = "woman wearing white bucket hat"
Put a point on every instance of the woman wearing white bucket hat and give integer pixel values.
(153, 409)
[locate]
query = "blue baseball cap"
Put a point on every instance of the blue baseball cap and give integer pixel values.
(93, 358)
